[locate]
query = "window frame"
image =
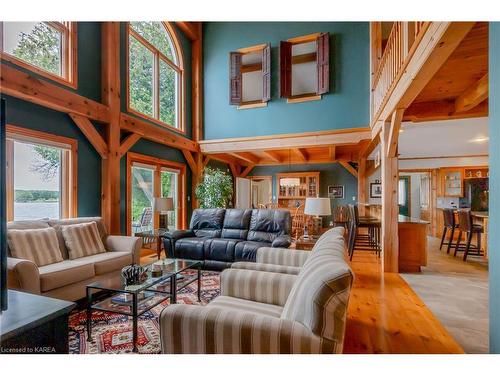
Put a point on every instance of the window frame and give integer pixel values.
(69, 167)
(306, 97)
(69, 56)
(158, 164)
(179, 68)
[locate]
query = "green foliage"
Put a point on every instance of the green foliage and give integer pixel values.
(47, 161)
(216, 189)
(26, 196)
(141, 73)
(41, 47)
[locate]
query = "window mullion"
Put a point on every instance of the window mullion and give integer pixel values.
(156, 86)
(10, 179)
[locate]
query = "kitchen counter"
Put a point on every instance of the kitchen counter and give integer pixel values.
(412, 234)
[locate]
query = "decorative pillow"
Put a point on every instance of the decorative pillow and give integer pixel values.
(82, 240)
(38, 245)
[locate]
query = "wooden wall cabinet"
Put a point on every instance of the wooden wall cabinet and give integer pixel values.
(292, 197)
(452, 182)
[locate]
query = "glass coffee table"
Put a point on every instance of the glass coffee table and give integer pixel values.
(135, 300)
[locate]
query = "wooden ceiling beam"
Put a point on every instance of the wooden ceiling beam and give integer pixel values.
(91, 133)
(235, 170)
(246, 156)
(273, 155)
(392, 147)
(473, 96)
(155, 133)
(349, 168)
(247, 170)
(35, 90)
(190, 29)
(332, 153)
(128, 142)
(286, 141)
(442, 110)
(301, 153)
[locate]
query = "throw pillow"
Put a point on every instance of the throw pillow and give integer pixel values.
(38, 245)
(82, 240)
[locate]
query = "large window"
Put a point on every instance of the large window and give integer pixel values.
(47, 48)
(149, 177)
(155, 73)
(41, 175)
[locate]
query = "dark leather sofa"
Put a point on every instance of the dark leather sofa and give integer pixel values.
(219, 237)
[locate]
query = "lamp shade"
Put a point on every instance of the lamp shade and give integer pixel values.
(318, 207)
(163, 204)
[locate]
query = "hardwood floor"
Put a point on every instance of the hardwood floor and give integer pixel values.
(386, 316)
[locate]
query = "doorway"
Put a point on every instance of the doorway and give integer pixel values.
(261, 191)
(404, 195)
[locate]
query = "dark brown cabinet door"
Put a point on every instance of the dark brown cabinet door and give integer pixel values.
(285, 69)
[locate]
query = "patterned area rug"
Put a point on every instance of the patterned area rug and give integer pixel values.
(112, 333)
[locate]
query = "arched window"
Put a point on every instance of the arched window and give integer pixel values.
(156, 73)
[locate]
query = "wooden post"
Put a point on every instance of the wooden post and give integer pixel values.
(197, 83)
(197, 175)
(362, 186)
(110, 183)
(390, 208)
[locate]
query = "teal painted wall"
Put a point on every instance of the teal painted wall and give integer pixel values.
(32, 116)
(186, 49)
(346, 106)
(330, 174)
(494, 235)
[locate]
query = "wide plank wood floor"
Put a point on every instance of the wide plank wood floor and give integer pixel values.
(386, 316)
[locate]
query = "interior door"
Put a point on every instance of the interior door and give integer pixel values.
(243, 193)
(404, 195)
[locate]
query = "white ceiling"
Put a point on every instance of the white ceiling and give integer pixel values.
(443, 138)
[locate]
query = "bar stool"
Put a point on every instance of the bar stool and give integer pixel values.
(449, 224)
(358, 241)
(465, 225)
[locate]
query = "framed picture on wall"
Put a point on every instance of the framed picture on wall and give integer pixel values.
(376, 189)
(336, 191)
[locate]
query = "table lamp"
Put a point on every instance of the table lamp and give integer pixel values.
(163, 206)
(317, 207)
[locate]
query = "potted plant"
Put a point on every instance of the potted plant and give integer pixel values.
(215, 190)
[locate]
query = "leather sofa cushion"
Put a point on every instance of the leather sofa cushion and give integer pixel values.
(236, 223)
(247, 250)
(215, 265)
(64, 273)
(221, 249)
(190, 248)
(207, 222)
(266, 225)
(108, 262)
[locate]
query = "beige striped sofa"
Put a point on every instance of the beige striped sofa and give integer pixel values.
(263, 311)
(68, 278)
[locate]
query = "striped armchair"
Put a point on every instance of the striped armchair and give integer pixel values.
(268, 312)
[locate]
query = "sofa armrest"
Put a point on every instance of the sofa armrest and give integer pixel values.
(126, 244)
(258, 286)
(284, 257)
(266, 267)
(178, 234)
(283, 241)
(190, 329)
(23, 274)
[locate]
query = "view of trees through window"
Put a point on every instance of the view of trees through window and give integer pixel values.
(37, 181)
(36, 43)
(154, 72)
(143, 192)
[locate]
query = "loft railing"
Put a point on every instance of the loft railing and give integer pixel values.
(402, 42)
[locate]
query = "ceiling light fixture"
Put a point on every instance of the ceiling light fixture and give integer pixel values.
(479, 139)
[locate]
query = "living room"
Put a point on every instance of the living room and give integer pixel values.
(230, 186)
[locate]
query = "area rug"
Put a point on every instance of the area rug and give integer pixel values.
(112, 333)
